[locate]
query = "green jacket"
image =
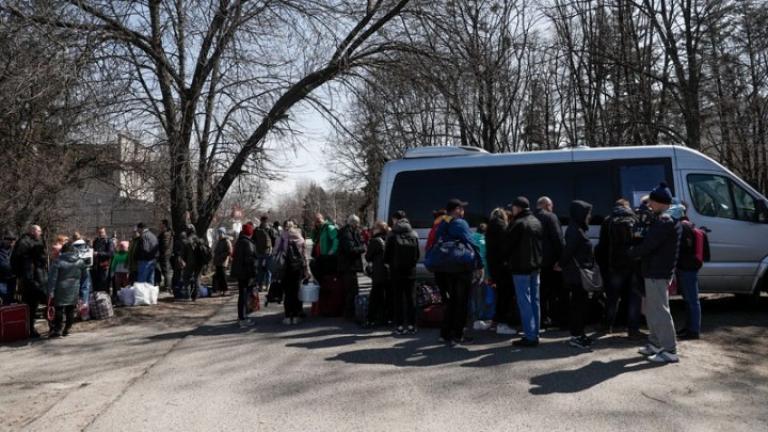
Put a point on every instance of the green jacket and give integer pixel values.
(326, 240)
(119, 262)
(65, 277)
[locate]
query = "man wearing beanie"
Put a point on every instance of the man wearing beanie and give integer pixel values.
(525, 237)
(658, 252)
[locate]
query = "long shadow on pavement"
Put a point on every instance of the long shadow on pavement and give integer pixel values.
(586, 377)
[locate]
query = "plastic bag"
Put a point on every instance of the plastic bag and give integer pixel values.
(309, 293)
(146, 294)
(127, 296)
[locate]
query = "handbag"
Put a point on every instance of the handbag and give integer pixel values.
(450, 256)
(254, 302)
(591, 279)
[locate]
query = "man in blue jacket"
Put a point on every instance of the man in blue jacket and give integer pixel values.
(659, 251)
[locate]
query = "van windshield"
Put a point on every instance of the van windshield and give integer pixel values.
(419, 193)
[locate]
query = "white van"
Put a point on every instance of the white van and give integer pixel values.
(734, 214)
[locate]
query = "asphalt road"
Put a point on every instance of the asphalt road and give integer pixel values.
(328, 375)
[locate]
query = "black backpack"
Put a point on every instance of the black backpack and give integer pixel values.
(294, 261)
(406, 253)
(203, 253)
(620, 238)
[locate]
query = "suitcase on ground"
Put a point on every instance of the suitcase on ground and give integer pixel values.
(432, 316)
(275, 293)
(361, 308)
(14, 323)
(331, 302)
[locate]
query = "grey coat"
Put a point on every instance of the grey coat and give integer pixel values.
(65, 277)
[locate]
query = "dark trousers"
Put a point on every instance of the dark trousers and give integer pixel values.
(405, 311)
(33, 299)
(192, 280)
(100, 278)
(291, 284)
(61, 311)
(220, 279)
(506, 308)
(176, 279)
(165, 271)
(243, 291)
(554, 298)
(351, 289)
(377, 306)
(458, 286)
(442, 281)
(624, 287)
(578, 308)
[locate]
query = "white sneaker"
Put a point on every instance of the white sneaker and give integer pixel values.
(504, 329)
(296, 320)
(649, 350)
(287, 321)
(664, 357)
(481, 325)
(242, 323)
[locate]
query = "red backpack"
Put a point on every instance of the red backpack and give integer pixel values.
(700, 244)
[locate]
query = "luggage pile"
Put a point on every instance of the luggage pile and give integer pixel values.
(430, 303)
(138, 294)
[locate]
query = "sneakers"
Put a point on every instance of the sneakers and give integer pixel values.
(481, 325)
(400, 331)
(411, 329)
(664, 357)
(295, 320)
(582, 342)
(649, 350)
(242, 323)
(526, 343)
(65, 333)
(464, 340)
(688, 335)
(54, 334)
(504, 329)
(287, 321)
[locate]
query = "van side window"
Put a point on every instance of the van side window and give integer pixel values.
(711, 195)
(745, 203)
(639, 179)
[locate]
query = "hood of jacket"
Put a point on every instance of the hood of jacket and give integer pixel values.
(579, 211)
(402, 226)
(69, 257)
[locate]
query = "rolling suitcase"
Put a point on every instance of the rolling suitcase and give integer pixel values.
(331, 302)
(275, 293)
(14, 323)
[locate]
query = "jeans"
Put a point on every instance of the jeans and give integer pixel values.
(8, 291)
(688, 283)
(85, 288)
(58, 317)
(624, 287)
(146, 272)
(264, 276)
(457, 287)
(405, 311)
(527, 291)
(243, 292)
(660, 324)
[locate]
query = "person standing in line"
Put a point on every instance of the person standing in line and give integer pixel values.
(659, 252)
(7, 278)
(498, 272)
(694, 251)
(29, 263)
(525, 238)
(381, 288)
(442, 284)
(291, 244)
(221, 254)
(623, 280)
(103, 251)
(177, 261)
(401, 254)
(351, 250)
(146, 254)
(577, 254)
(192, 267)
(119, 270)
(263, 239)
(553, 299)
(244, 270)
(165, 253)
(67, 276)
(325, 248)
(459, 283)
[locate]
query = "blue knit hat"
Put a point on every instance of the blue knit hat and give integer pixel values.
(662, 194)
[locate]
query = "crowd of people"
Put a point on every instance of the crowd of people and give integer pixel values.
(540, 275)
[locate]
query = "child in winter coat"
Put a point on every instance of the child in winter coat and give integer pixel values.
(119, 268)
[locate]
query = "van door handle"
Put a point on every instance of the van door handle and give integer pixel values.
(705, 229)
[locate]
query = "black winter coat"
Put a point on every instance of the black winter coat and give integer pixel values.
(165, 240)
(612, 253)
(104, 250)
(403, 228)
(351, 250)
(553, 238)
(659, 248)
(375, 256)
(525, 244)
(496, 254)
(244, 259)
(578, 247)
(29, 263)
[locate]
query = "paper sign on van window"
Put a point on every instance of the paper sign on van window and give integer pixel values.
(637, 197)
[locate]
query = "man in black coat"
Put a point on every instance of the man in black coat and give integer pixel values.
(524, 242)
(351, 250)
(103, 251)
(165, 240)
(554, 300)
(29, 263)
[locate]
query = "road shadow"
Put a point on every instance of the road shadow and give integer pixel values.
(586, 377)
